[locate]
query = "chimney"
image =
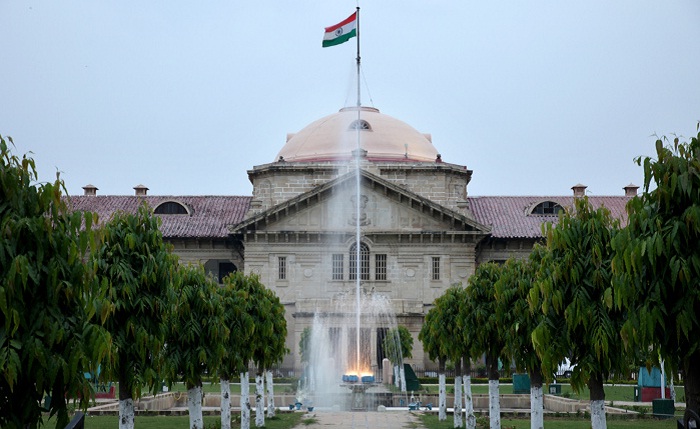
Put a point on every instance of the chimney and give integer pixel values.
(631, 190)
(579, 190)
(90, 190)
(141, 190)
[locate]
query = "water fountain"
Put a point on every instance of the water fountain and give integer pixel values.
(340, 372)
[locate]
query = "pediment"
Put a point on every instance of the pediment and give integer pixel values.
(383, 208)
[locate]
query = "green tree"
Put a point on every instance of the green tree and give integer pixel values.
(195, 344)
(239, 350)
(518, 322)
(268, 340)
(398, 345)
(50, 306)
(583, 323)
(139, 270)
(487, 326)
(657, 262)
(435, 339)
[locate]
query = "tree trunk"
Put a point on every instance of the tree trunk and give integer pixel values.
(126, 402)
(536, 400)
(245, 400)
(468, 400)
(442, 406)
(225, 404)
(259, 399)
(692, 382)
(397, 377)
(595, 385)
(126, 413)
(270, 395)
(194, 406)
(494, 397)
(457, 414)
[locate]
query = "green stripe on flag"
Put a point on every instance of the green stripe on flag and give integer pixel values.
(342, 39)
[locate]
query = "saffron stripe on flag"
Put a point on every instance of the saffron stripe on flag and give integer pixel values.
(347, 20)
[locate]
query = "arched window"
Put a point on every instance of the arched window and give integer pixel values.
(360, 124)
(547, 208)
(170, 207)
(364, 262)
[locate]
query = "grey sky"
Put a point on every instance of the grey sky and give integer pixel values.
(184, 97)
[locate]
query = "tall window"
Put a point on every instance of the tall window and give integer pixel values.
(435, 268)
(282, 268)
(338, 266)
(364, 262)
(380, 266)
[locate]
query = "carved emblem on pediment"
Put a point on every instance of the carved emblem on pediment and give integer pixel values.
(364, 219)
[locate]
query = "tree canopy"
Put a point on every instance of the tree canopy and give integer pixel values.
(138, 269)
(576, 295)
(197, 333)
(239, 350)
(657, 262)
(51, 307)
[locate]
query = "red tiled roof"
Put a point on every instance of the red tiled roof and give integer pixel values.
(509, 216)
(210, 215)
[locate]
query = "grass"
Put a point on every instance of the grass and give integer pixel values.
(430, 421)
(280, 421)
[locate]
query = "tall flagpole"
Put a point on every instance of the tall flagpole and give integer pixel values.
(357, 202)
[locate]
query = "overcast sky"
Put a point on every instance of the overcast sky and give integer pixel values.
(184, 97)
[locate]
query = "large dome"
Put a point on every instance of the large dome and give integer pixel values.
(334, 137)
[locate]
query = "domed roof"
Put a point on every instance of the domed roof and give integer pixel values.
(334, 137)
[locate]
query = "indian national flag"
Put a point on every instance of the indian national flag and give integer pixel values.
(341, 32)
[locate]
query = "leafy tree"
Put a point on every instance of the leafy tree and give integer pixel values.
(450, 326)
(487, 325)
(50, 305)
(512, 291)
(139, 270)
(434, 340)
(657, 262)
(268, 339)
(195, 344)
(239, 350)
(580, 320)
(398, 345)
(466, 334)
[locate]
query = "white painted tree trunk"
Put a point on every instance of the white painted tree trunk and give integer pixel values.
(402, 376)
(673, 389)
(458, 403)
(469, 402)
(225, 404)
(536, 408)
(126, 413)
(194, 406)
(245, 400)
(270, 395)
(598, 415)
(259, 399)
(397, 378)
(494, 405)
(442, 406)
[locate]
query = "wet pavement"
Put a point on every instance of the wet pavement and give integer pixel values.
(390, 419)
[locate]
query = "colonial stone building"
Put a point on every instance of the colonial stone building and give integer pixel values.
(420, 231)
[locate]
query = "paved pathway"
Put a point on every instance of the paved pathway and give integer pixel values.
(327, 419)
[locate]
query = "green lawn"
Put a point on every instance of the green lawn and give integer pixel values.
(281, 421)
(431, 422)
